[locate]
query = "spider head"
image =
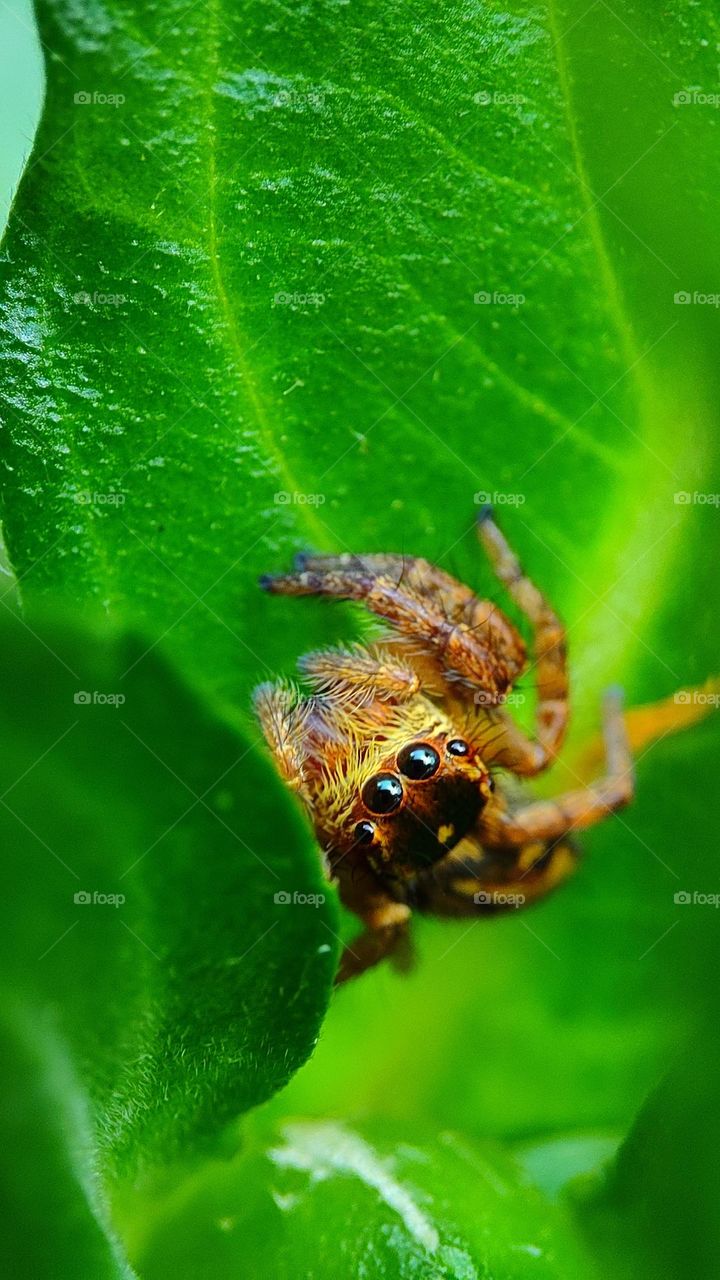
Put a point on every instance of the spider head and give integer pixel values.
(420, 801)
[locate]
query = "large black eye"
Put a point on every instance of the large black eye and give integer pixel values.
(457, 747)
(364, 832)
(418, 761)
(383, 793)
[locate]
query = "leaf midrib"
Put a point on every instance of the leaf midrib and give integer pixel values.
(229, 322)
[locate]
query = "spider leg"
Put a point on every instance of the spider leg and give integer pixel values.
(516, 857)
(465, 657)
(503, 743)
(381, 942)
(457, 602)
(552, 819)
(282, 720)
(521, 754)
(410, 572)
(479, 882)
(362, 675)
(385, 919)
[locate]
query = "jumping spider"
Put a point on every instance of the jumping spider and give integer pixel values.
(392, 752)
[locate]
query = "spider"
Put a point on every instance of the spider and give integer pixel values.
(394, 752)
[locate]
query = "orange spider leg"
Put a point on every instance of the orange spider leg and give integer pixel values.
(516, 857)
(282, 720)
(465, 657)
(385, 921)
(473, 881)
(360, 673)
(515, 750)
(574, 810)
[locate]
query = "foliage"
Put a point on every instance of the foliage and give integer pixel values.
(259, 304)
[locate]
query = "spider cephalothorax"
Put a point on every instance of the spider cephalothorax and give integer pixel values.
(420, 802)
(392, 750)
(395, 786)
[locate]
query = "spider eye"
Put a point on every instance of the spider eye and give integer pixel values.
(364, 832)
(457, 747)
(418, 761)
(382, 793)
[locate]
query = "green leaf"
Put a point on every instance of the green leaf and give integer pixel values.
(153, 985)
(367, 1199)
(348, 164)
(56, 1220)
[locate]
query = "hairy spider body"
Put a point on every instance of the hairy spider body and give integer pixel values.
(392, 751)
